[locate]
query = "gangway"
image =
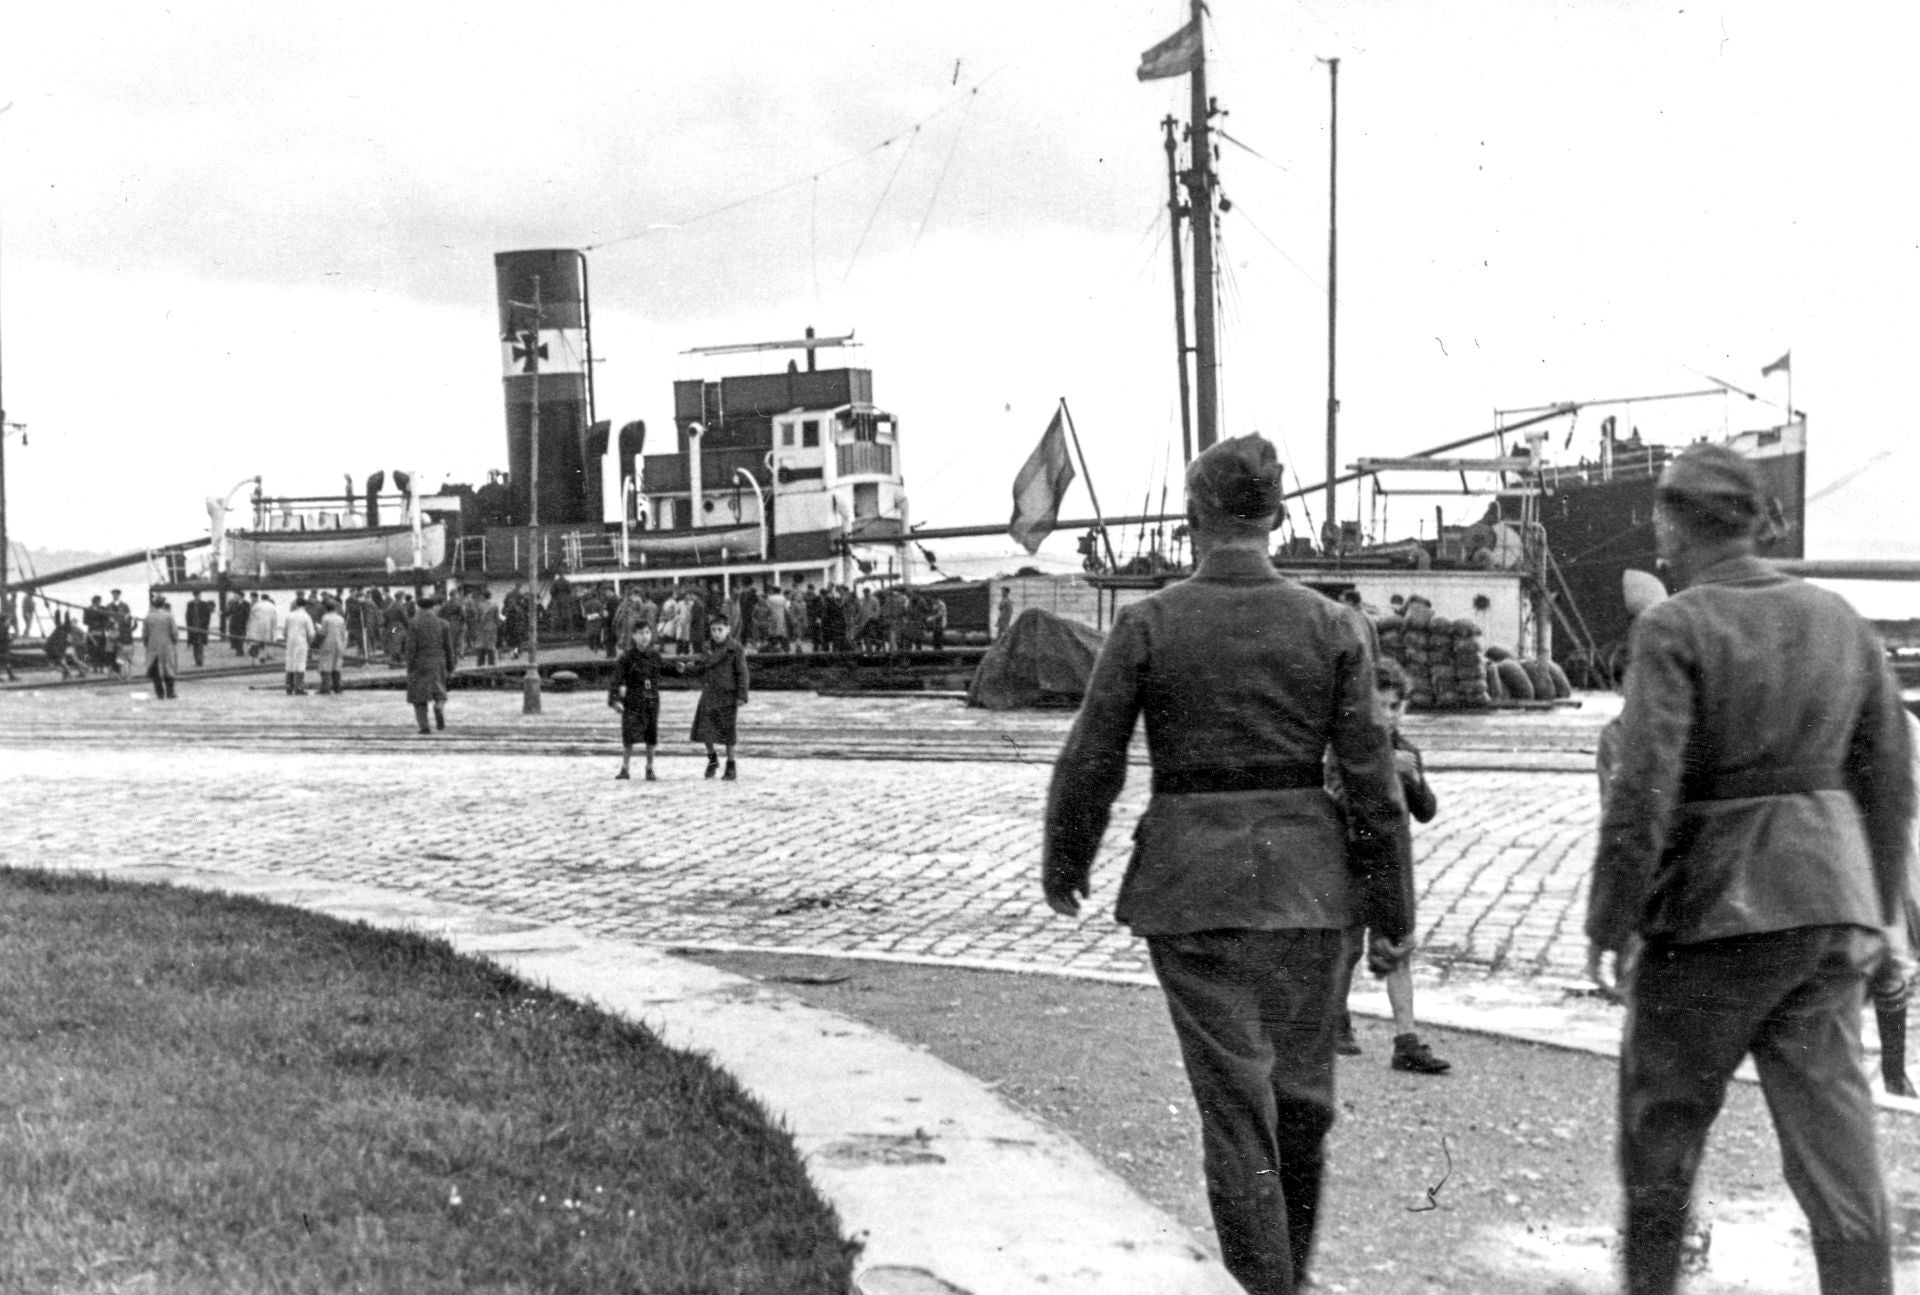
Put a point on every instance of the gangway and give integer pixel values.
(114, 563)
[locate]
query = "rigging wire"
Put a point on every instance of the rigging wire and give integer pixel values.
(1278, 166)
(878, 204)
(1305, 273)
(813, 241)
(1160, 233)
(960, 98)
(952, 148)
(1848, 477)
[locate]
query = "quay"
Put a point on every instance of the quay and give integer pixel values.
(890, 828)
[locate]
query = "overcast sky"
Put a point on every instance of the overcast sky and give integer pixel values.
(240, 238)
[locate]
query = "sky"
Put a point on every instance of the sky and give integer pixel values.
(240, 239)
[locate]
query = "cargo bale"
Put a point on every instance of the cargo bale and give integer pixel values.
(1515, 680)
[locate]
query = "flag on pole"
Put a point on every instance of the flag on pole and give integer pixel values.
(1782, 365)
(1041, 486)
(1177, 55)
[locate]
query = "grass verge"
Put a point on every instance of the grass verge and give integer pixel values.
(212, 1094)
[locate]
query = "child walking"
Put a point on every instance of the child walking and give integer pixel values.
(636, 695)
(1409, 1053)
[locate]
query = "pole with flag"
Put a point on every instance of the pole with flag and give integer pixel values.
(1098, 520)
(1184, 54)
(1783, 364)
(1041, 485)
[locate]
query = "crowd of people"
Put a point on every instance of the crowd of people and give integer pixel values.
(768, 617)
(316, 631)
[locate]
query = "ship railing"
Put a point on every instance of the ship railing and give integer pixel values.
(471, 553)
(1627, 465)
(592, 549)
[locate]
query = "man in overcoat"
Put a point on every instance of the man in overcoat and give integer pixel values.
(1751, 854)
(429, 655)
(199, 621)
(1243, 874)
(158, 633)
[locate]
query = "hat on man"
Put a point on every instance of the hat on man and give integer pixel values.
(1238, 477)
(1718, 482)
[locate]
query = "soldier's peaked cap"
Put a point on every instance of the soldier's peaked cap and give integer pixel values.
(1717, 480)
(1238, 477)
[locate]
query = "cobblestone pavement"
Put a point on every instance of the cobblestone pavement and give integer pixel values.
(895, 827)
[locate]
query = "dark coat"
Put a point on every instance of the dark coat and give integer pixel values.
(199, 619)
(636, 680)
(636, 690)
(1245, 679)
(429, 654)
(723, 691)
(1763, 780)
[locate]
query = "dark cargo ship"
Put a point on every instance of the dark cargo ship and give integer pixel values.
(1598, 522)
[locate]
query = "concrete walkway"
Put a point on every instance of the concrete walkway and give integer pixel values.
(889, 829)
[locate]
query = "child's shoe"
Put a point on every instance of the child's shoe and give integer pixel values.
(1412, 1055)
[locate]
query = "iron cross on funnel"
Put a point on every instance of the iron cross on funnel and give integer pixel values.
(529, 349)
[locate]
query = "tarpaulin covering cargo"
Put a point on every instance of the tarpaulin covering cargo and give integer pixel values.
(1042, 660)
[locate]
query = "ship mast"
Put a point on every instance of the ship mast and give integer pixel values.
(1176, 212)
(1333, 296)
(1200, 182)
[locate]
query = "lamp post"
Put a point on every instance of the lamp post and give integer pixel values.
(530, 682)
(6, 590)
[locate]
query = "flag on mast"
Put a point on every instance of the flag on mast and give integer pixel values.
(1177, 55)
(1041, 486)
(1782, 365)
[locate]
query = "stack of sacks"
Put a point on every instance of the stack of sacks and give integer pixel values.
(1444, 659)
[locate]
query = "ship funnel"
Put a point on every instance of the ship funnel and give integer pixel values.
(544, 341)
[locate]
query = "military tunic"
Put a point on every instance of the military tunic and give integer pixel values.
(1753, 836)
(1244, 872)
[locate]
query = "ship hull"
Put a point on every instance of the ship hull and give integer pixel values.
(1596, 530)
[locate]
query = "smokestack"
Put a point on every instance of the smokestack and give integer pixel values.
(545, 351)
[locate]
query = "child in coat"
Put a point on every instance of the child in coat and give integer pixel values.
(1409, 1053)
(636, 695)
(723, 690)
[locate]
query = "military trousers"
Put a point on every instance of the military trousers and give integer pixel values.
(1792, 999)
(1254, 1014)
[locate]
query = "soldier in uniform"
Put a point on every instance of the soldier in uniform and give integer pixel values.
(1750, 858)
(1244, 874)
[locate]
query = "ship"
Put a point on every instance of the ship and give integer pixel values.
(789, 475)
(1596, 518)
(1541, 571)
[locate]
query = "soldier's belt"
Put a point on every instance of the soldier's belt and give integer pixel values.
(1254, 777)
(1784, 780)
